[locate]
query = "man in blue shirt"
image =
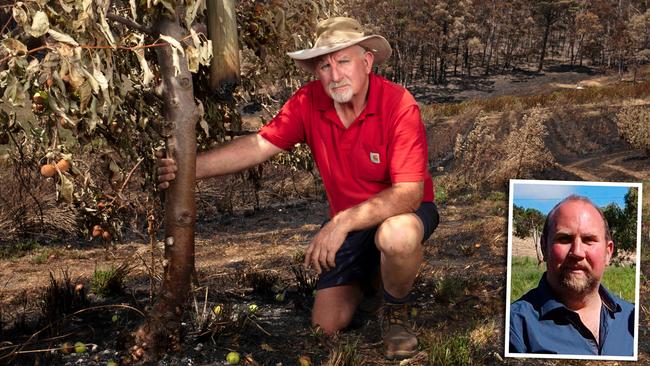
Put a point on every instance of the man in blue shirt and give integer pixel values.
(570, 312)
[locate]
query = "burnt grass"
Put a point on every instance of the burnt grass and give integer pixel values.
(279, 331)
(461, 286)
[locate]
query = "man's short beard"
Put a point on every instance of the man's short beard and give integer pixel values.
(578, 285)
(343, 97)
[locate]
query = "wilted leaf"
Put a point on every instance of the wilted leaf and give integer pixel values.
(76, 77)
(106, 29)
(192, 58)
(14, 46)
(66, 188)
(62, 37)
(101, 80)
(93, 120)
(20, 15)
(206, 128)
(67, 5)
(114, 167)
(176, 48)
(40, 24)
(267, 347)
(85, 92)
(14, 91)
(190, 13)
(134, 8)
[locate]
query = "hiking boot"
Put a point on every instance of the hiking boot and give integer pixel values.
(399, 338)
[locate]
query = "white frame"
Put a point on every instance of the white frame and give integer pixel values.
(635, 355)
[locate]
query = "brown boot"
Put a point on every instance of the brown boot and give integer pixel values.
(399, 338)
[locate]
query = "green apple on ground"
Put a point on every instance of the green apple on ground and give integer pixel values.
(233, 358)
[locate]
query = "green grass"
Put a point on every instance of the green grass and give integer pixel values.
(525, 275)
(620, 282)
(453, 349)
(17, 250)
(109, 281)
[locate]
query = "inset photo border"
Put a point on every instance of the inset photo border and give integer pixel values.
(530, 201)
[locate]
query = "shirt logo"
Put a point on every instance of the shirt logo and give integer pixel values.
(374, 157)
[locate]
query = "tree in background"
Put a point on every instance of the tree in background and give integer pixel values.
(623, 221)
(528, 223)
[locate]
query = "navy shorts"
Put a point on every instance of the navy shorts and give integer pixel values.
(358, 259)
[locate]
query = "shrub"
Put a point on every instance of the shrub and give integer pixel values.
(634, 125)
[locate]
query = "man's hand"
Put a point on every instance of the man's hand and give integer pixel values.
(166, 170)
(321, 253)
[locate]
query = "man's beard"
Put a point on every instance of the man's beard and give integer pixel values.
(341, 97)
(577, 284)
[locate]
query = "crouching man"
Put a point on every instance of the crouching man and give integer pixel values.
(369, 144)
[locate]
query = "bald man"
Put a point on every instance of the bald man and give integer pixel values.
(570, 312)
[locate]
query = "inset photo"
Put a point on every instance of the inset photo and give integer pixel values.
(573, 270)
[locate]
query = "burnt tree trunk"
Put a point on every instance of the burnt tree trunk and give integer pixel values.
(162, 329)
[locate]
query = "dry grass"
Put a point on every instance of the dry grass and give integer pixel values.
(29, 208)
(591, 95)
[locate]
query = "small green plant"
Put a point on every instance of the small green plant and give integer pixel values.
(41, 257)
(451, 288)
(448, 350)
(109, 281)
(441, 194)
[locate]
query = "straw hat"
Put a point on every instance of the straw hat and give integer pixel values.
(337, 33)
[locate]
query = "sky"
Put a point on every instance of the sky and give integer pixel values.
(543, 195)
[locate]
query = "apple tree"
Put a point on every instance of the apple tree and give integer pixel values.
(112, 81)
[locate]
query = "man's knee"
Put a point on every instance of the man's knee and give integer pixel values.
(400, 235)
(334, 308)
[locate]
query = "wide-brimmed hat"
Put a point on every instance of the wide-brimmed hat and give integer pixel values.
(337, 33)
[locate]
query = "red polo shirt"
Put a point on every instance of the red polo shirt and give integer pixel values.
(385, 144)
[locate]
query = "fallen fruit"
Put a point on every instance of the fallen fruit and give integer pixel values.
(252, 308)
(79, 287)
(115, 318)
(80, 347)
(279, 297)
(63, 165)
(106, 235)
(232, 358)
(39, 97)
(414, 312)
(67, 347)
(111, 363)
(304, 361)
(48, 170)
(217, 310)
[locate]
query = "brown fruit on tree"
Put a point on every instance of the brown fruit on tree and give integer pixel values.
(63, 165)
(97, 231)
(48, 170)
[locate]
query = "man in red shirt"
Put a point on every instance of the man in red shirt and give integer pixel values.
(369, 144)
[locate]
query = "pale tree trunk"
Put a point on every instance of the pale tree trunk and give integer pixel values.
(538, 247)
(162, 329)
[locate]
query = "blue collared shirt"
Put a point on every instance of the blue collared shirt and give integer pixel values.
(541, 324)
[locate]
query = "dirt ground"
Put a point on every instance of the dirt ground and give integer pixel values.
(461, 288)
